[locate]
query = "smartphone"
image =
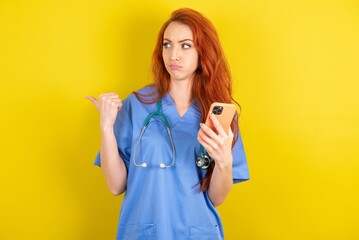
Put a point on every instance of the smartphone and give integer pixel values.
(224, 113)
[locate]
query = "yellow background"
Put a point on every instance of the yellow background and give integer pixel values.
(296, 74)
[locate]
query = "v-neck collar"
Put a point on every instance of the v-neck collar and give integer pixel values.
(169, 108)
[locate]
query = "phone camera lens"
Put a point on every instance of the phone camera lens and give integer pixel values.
(217, 110)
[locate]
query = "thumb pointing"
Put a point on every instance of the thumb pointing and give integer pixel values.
(92, 99)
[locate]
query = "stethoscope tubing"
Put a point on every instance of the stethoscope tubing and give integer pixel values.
(203, 161)
(162, 165)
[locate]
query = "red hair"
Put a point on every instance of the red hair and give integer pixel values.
(212, 80)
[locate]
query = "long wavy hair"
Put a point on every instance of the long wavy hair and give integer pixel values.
(212, 80)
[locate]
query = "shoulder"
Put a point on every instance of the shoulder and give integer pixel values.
(148, 90)
(144, 96)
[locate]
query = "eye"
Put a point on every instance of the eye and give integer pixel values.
(166, 45)
(186, 46)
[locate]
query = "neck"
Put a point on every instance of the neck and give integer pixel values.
(181, 92)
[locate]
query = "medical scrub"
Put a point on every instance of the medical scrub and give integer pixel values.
(164, 203)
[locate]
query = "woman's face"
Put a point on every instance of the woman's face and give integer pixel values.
(178, 52)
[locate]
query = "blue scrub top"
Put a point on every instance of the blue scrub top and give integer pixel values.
(165, 203)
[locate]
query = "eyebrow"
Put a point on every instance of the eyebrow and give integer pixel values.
(187, 39)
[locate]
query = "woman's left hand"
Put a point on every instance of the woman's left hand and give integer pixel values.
(218, 146)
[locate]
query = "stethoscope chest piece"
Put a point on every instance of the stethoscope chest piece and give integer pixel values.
(203, 161)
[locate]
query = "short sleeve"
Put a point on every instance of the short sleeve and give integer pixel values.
(240, 167)
(123, 134)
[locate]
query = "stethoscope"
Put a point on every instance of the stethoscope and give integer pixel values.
(203, 161)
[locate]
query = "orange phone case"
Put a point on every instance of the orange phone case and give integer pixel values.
(225, 117)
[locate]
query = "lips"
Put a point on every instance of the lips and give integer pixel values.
(175, 67)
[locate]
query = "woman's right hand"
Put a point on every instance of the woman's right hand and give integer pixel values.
(108, 104)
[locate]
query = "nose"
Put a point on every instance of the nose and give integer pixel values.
(174, 55)
(174, 58)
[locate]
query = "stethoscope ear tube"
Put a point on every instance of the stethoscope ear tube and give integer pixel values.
(203, 161)
(145, 125)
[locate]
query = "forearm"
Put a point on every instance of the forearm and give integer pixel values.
(221, 183)
(112, 165)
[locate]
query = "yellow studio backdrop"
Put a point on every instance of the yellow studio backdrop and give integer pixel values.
(296, 75)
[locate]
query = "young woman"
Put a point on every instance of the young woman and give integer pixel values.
(151, 140)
